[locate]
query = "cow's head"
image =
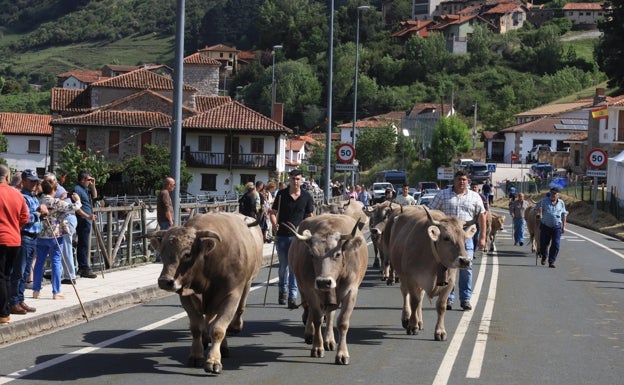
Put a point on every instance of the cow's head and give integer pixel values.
(448, 240)
(332, 208)
(173, 245)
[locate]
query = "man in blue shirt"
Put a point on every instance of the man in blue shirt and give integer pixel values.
(552, 212)
(22, 265)
(85, 188)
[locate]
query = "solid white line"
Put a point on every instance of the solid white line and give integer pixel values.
(598, 244)
(478, 353)
(444, 371)
(66, 357)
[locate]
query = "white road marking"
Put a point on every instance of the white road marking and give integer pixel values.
(598, 244)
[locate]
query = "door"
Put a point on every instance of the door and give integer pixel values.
(232, 149)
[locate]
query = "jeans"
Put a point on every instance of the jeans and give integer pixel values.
(69, 268)
(83, 231)
(8, 254)
(465, 277)
(518, 225)
(48, 247)
(21, 269)
(287, 281)
(552, 236)
(164, 225)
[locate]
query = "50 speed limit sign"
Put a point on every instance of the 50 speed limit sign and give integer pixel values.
(345, 153)
(596, 158)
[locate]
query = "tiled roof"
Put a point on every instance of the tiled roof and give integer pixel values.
(383, 120)
(204, 102)
(199, 58)
(321, 138)
(111, 118)
(577, 138)
(247, 55)
(294, 145)
(70, 100)
(140, 79)
(583, 7)
(502, 8)
(548, 124)
(85, 76)
(158, 103)
(428, 108)
(233, 116)
(414, 27)
(219, 48)
(25, 124)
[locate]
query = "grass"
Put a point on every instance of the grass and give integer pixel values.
(584, 48)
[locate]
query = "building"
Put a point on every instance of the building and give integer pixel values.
(28, 141)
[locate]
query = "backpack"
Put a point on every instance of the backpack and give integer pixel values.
(246, 204)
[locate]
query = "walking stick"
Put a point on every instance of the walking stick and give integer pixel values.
(97, 236)
(266, 290)
(84, 311)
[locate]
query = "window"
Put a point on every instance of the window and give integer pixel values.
(244, 178)
(113, 142)
(34, 146)
(209, 182)
(146, 138)
(81, 139)
(204, 143)
(257, 145)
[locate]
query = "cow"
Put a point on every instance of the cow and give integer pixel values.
(533, 227)
(329, 257)
(210, 262)
(495, 223)
(353, 208)
(378, 215)
(420, 241)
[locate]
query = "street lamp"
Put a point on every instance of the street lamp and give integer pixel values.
(273, 88)
(405, 136)
(355, 81)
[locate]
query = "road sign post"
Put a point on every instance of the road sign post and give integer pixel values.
(345, 153)
(596, 158)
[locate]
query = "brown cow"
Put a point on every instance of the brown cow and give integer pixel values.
(378, 215)
(533, 227)
(210, 262)
(421, 240)
(329, 258)
(353, 208)
(495, 223)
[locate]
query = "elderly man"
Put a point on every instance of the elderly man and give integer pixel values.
(553, 214)
(85, 188)
(164, 205)
(516, 210)
(461, 202)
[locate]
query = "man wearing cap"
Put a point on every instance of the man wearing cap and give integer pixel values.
(553, 214)
(22, 265)
(85, 188)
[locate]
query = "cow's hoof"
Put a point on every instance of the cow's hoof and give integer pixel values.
(341, 360)
(440, 336)
(195, 362)
(309, 339)
(213, 367)
(304, 315)
(317, 353)
(412, 331)
(329, 345)
(405, 323)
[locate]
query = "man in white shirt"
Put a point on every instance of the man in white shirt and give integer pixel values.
(405, 198)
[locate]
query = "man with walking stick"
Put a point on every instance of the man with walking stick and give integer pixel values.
(292, 204)
(85, 188)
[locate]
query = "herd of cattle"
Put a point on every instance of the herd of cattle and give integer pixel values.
(212, 259)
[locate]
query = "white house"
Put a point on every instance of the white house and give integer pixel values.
(28, 140)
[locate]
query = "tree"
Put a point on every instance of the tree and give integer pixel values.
(610, 48)
(146, 172)
(3, 148)
(449, 139)
(72, 161)
(374, 144)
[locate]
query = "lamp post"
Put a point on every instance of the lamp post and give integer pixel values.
(405, 136)
(273, 88)
(355, 80)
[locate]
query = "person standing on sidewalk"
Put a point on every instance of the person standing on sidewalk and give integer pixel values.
(461, 202)
(22, 265)
(85, 188)
(553, 214)
(516, 210)
(164, 205)
(292, 204)
(13, 215)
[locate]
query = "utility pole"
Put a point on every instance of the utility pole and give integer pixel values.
(474, 128)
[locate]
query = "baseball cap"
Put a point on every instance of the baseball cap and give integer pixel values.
(30, 175)
(555, 189)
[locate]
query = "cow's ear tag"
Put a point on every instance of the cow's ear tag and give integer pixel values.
(434, 232)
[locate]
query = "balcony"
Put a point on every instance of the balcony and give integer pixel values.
(223, 160)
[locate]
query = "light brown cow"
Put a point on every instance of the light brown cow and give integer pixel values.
(351, 207)
(329, 258)
(494, 224)
(378, 215)
(211, 262)
(421, 240)
(533, 227)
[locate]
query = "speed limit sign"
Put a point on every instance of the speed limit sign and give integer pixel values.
(345, 153)
(596, 158)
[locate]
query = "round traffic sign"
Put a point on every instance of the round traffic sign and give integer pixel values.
(345, 153)
(596, 158)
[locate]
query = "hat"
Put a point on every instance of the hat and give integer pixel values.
(30, 175)
(555, 189)
(250, 186)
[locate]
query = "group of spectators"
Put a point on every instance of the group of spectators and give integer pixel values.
(38, 220)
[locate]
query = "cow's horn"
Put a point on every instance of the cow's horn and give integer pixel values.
(209, 234)
(346, 237)
(347, 204)
(292, 228)
(431, 220)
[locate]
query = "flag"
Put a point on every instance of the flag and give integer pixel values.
(600, 113)
(560, 182)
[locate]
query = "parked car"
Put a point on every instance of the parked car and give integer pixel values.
(478, 172)
(422, 186)
(543, 170)
(534, 152)
(379, 190)
(425, 199)
(462, 164)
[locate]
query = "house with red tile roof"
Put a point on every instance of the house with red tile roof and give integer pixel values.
(224, 142)
(28, 140)
(584, 13)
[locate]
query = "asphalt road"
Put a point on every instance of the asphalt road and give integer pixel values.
(530, 325)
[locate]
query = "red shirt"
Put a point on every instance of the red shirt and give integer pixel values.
(13, 215)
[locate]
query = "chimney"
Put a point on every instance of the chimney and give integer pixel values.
(279, 112)
(600, 96)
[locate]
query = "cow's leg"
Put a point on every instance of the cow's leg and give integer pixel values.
(197, 326)
(347, 305)
(407, 310)
(440, 331)
(315, 318)
(415, 298)
(377, 261)
(223, 316)
(330, 339)
(237, 323)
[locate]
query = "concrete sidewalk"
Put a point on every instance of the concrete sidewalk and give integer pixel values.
(118, 288)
